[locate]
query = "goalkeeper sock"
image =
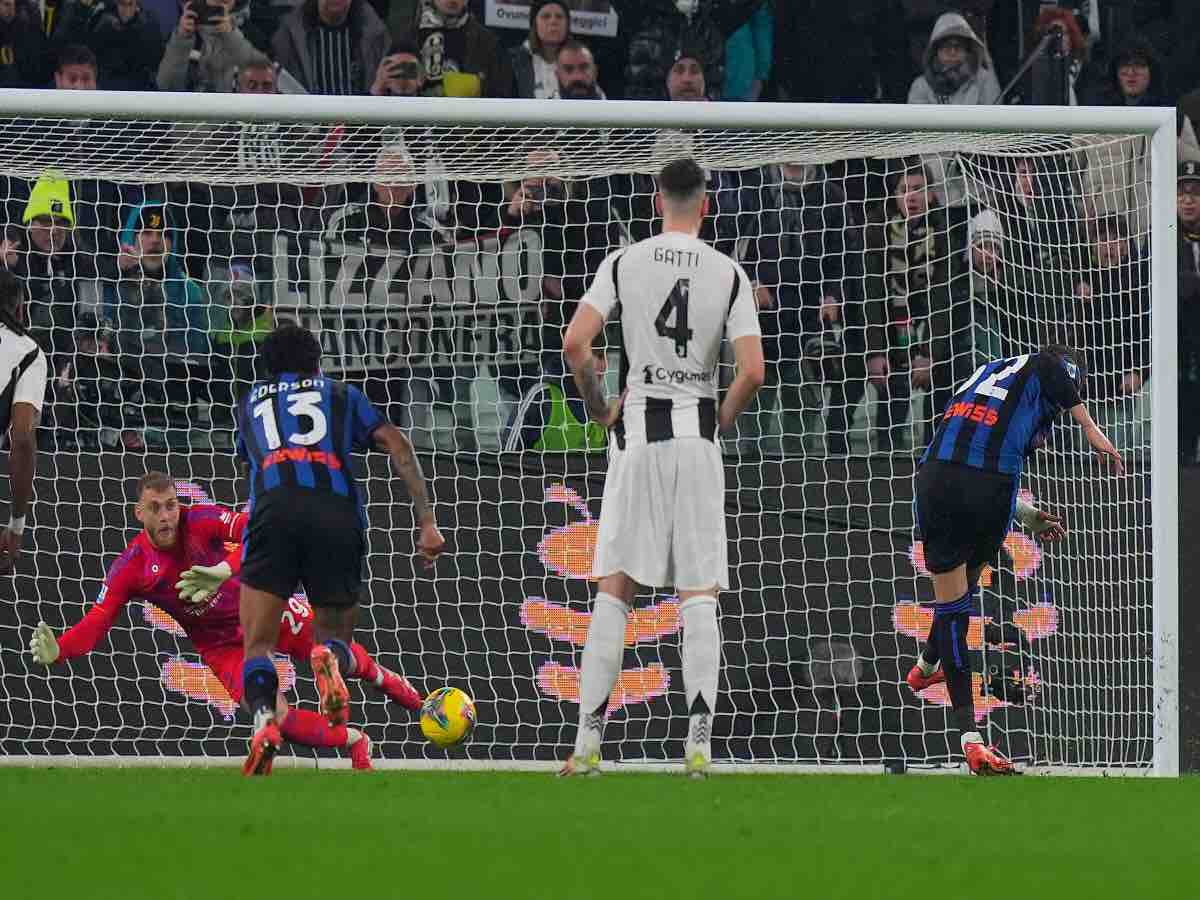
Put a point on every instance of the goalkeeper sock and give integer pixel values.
(260, 687)
(598, 669)
(364, 666)
(701, 665)
(970, 737)
(303, 726)
(342, 651)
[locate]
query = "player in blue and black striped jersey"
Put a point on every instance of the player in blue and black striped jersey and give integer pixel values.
(297, 431)
(965, 499)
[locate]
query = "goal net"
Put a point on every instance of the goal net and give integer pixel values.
(892, 251)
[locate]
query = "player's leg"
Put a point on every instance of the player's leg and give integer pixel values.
(270, 568)
(331, 657)
(296, 725)
(632, 543)
(701, 673)
(931, 515)
(332, 577)
(699, 569)
(259, 612)
(603, 652)
(297, 641)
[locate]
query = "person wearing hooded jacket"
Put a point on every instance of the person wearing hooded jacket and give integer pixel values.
(958, 71)
(958, 67)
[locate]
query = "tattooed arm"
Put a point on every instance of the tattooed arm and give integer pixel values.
(395, 443)
(577, 347)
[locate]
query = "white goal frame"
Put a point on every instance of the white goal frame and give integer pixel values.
(1158, 125)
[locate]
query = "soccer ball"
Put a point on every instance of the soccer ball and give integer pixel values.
(447, 717)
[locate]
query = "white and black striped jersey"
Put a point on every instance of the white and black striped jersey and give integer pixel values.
(22, 374)
(678, 298)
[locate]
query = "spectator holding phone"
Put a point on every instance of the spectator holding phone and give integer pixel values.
(400, 73)
(206, 49)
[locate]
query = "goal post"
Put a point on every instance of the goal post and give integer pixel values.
(448, 319)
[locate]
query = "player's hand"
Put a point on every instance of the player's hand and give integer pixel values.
(10, 549)
(1103, 446)
(614, 412)
(763, 298)
(199, 583)
(430, 544)
(1047, 527)
(43, 646)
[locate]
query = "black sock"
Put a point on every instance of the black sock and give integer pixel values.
(951, 621)
(958, 685)
(260, 685)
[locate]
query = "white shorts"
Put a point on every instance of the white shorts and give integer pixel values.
(662, 521)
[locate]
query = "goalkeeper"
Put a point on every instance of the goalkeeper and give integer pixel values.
(179, 564)
(966, 498)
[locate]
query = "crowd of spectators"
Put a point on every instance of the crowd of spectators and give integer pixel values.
(880, 284)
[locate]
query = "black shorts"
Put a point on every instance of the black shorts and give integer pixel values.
(309, 538)
(963, 514)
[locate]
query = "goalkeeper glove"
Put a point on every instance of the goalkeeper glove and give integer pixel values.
(199, 583)
(43, 646)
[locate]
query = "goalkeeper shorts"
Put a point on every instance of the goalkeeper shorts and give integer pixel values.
(299, 537)
(963, 514)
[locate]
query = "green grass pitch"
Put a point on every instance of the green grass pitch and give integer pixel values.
(198, 834)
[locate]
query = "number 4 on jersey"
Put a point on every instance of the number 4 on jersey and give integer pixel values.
(677, 303)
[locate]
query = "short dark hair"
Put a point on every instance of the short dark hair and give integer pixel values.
(154, 481)
(575, 45)
(1060, 353)
(291, 348)
(76, 55)
(12, 295)
(681, 180)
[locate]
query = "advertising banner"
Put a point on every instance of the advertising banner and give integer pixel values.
(458, 305)
(588, 17)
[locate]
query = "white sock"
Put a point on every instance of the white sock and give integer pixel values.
(971, 737)
(599, 668)
(701, 665)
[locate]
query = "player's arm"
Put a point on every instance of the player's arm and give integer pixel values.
(1096, 437)
(741, 327)
(586, 325)
(28, 395)
(84, 635)
(395, 443)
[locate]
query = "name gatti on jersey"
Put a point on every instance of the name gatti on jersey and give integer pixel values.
(266, 390)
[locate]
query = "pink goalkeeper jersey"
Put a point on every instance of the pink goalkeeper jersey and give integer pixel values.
(143, 572)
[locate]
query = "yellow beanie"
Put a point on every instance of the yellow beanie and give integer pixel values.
(51, 196)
